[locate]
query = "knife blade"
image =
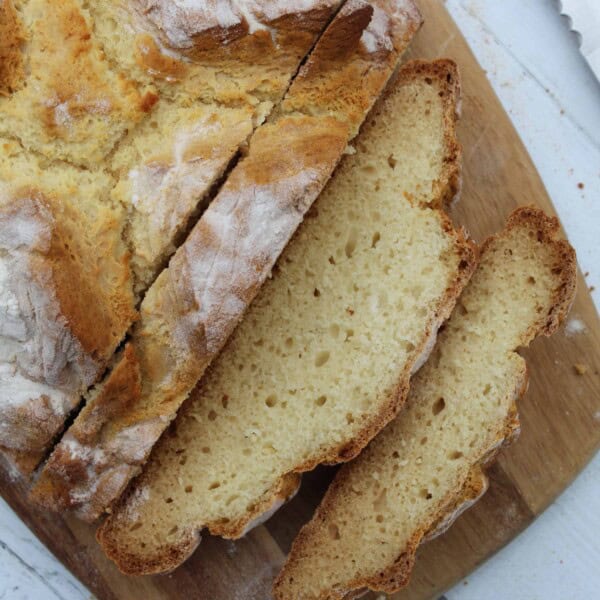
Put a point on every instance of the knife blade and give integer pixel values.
(585, 20)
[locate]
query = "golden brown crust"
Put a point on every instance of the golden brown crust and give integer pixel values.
(395, 576)
(88, 319)
(11, 38)
(63, 470)
(342, 55)
(203, 39)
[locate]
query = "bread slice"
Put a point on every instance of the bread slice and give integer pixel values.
(131, 112)
(194, 305)
(421, 471)
(321, 361)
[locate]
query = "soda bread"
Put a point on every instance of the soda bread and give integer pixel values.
(322, 359)
(426, 466)
(194, 305)
(116, 121)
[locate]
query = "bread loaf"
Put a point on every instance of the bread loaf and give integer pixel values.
(116, 121)
(321, 361)
(425, 467)
(194, 305)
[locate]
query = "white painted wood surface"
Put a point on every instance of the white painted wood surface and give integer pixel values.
(533, 63)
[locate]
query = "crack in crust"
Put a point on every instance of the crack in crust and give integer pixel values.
(55, 333)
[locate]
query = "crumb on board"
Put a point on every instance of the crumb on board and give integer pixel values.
(580, 368)
(575, 326)
(581, 185)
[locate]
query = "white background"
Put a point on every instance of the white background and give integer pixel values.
(532, 60)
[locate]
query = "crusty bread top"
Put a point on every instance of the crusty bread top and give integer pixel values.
(117, 139)
(196, 302)
(11, 38)
(425, 468)
(64, 306)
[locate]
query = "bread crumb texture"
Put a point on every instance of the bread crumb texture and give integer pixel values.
(116, 121)
(194, 305)
(321, 361)
(424, 468)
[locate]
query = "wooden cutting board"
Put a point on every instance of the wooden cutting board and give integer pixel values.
(560, 415)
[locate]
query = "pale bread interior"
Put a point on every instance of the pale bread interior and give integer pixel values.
(461, 408)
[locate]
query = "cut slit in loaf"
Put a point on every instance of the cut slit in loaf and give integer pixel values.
(426, 466)
(194, 305)
(112, 136)
(322, 359)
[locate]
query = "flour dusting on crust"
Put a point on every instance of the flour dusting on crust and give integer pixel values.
(42, 365)
(248, 229)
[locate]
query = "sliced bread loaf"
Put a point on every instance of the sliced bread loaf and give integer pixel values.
(194, 305)
(116, 118)
(421, 471)
(321, 361)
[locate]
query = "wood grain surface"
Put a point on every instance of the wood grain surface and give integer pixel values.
(559, 415)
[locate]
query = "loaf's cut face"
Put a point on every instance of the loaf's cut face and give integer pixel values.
(195, 304)
(321, 361)
(425, 467)
(118, 120)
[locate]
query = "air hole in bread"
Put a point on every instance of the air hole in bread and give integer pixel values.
(351, 243)
(225, 401)
(426, 494)
(322, 358)
(205, 450)
(375, 239)
(320, 401)
(334, 532)
(316, 293)
(438, 406)
(214, 485)
(271, 400)
(212, 415)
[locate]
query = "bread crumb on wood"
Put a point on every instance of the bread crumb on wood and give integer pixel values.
(580, 368)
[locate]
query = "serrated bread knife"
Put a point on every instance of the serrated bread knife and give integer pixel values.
(585, 19)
